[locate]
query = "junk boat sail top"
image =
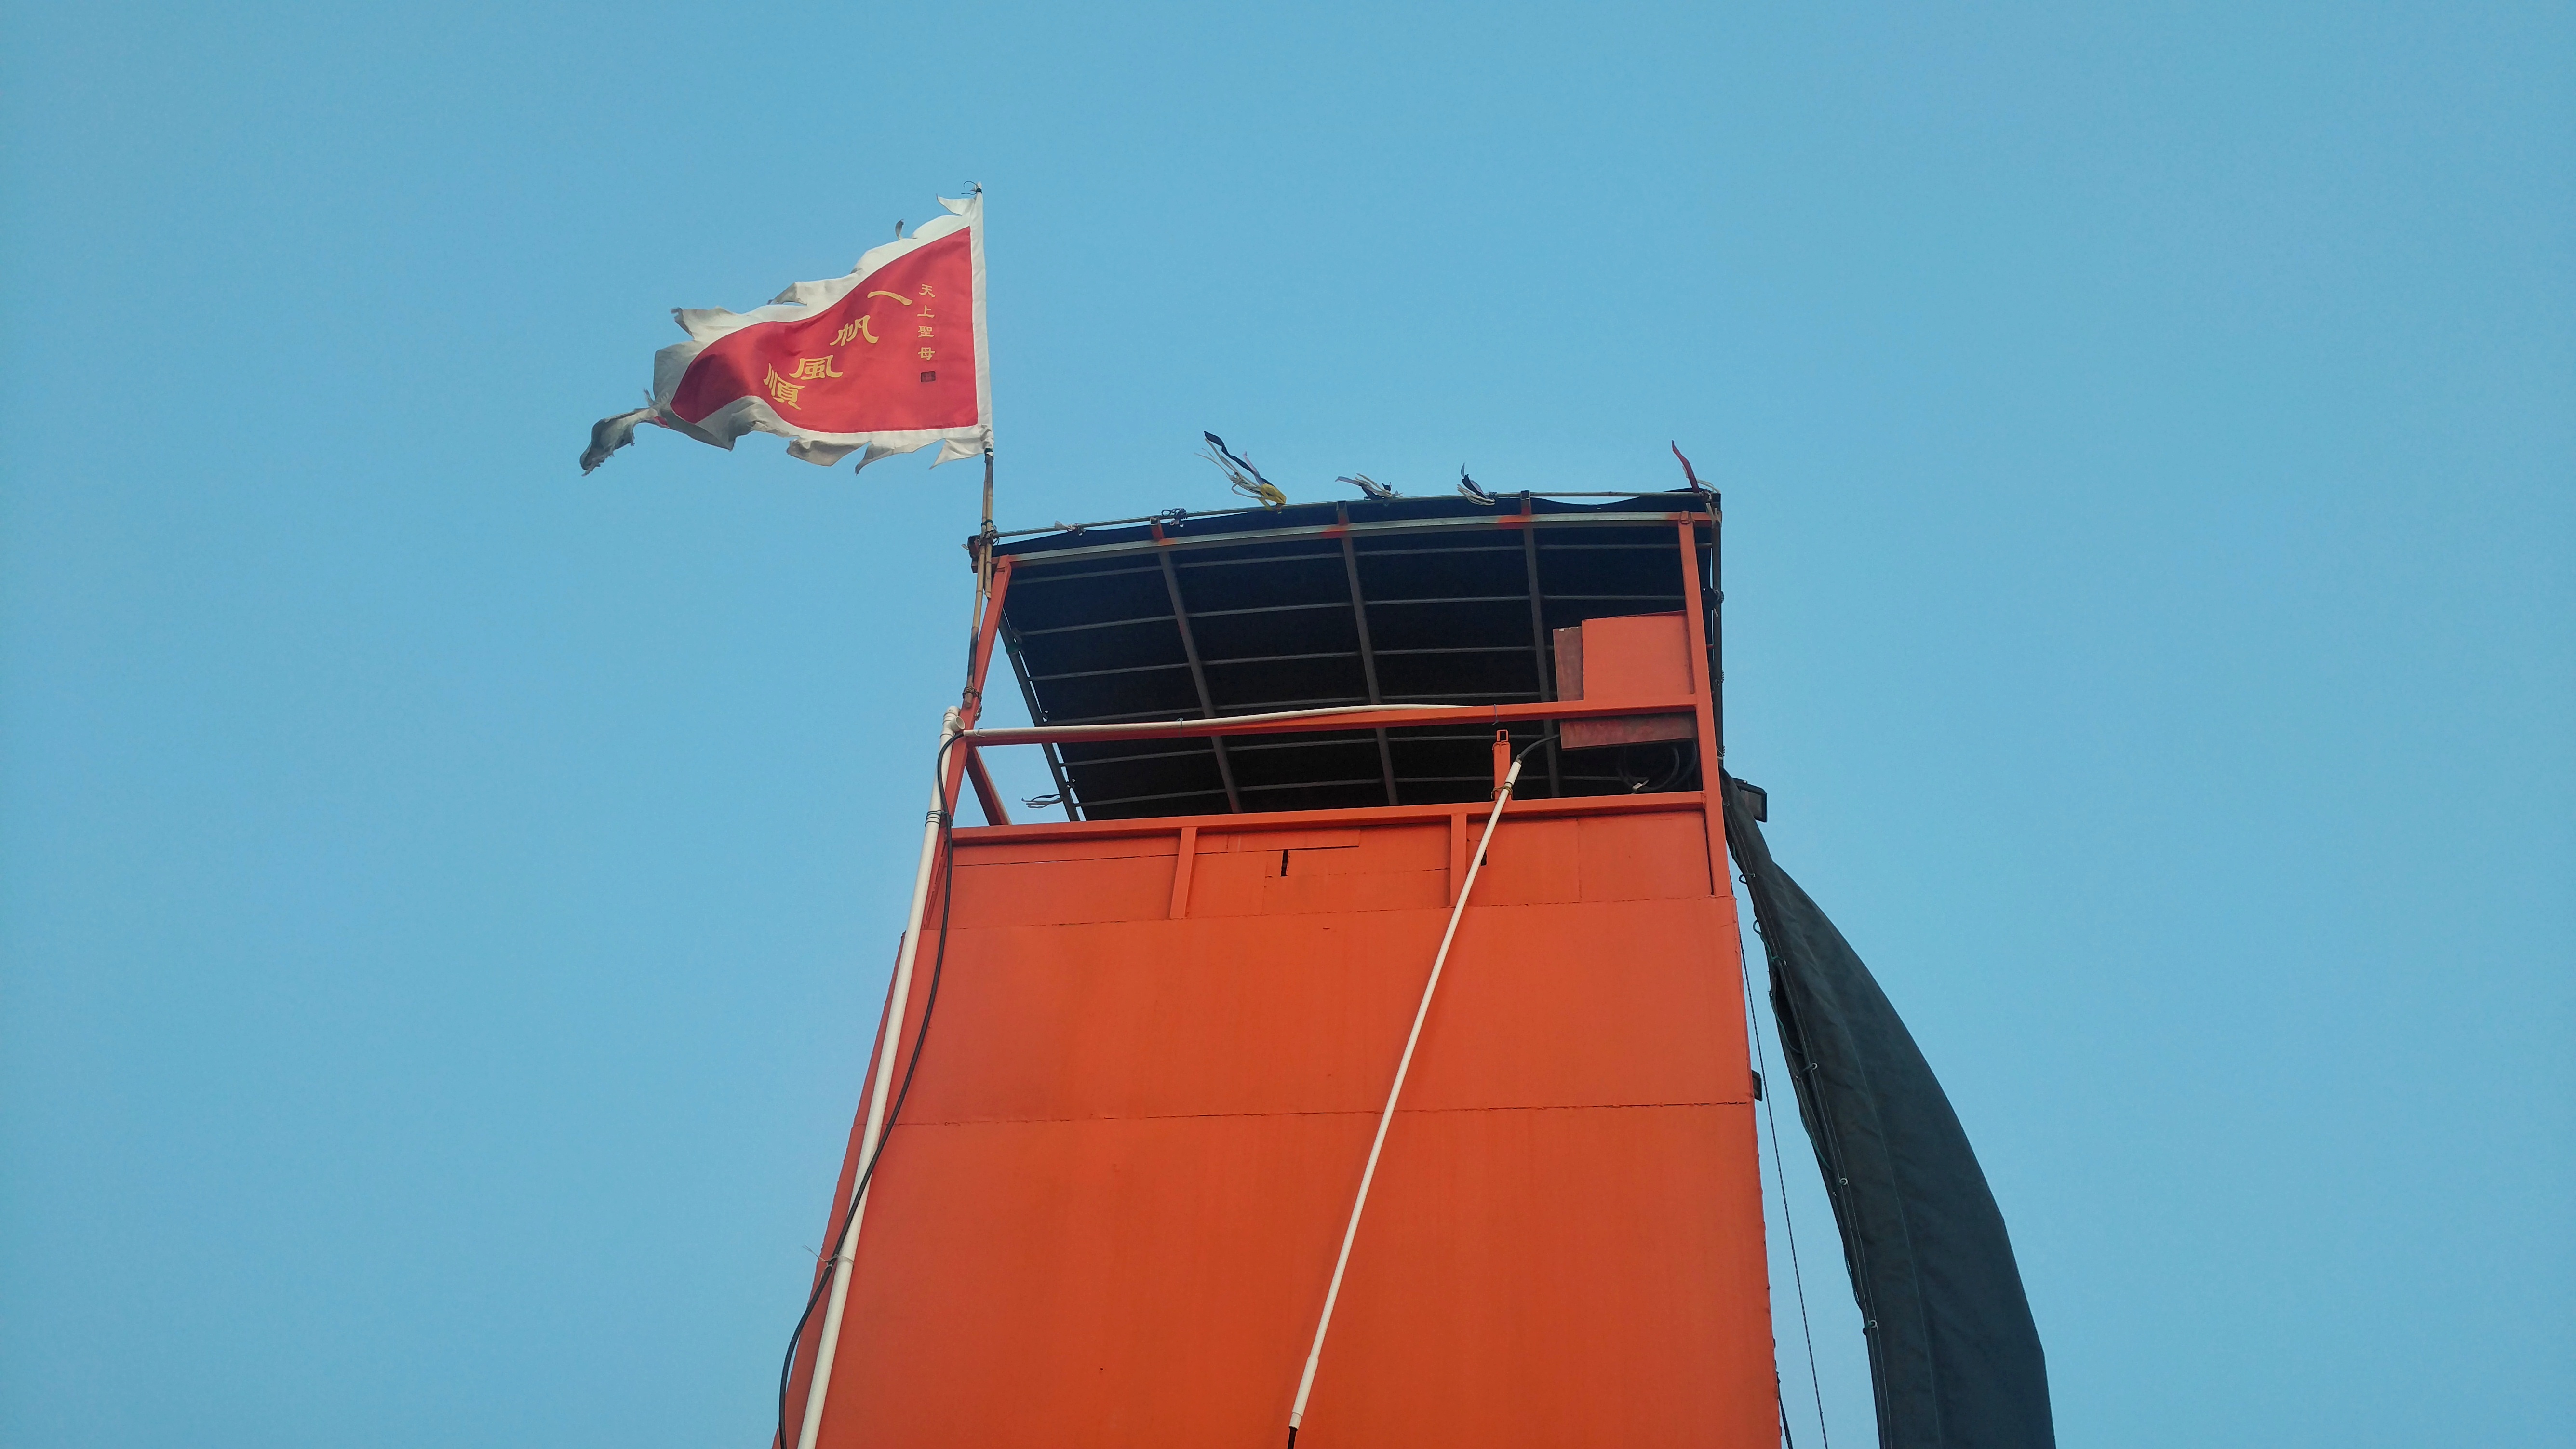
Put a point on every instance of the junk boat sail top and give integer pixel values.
(1149, 1154)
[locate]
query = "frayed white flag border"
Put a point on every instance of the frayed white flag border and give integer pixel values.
(802, 300)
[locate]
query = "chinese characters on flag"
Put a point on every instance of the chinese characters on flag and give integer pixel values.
(886, 360)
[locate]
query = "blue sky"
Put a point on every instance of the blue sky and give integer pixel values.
(444, 899)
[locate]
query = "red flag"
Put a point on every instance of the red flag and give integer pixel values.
(886, 360)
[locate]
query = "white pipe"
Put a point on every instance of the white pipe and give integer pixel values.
(1315, 1355)
(949, 726)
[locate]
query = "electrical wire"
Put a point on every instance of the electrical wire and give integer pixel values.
(1643, 783)
(1524, 752)
(920, 1036)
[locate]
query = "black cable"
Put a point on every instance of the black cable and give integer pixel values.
(885, 1135)
(1524, 752)
(1641, 784)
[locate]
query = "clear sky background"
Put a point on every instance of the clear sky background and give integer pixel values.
(444, 900)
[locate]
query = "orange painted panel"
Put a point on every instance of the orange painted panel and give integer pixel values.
(1638, 656)
(1269, 840)
(1521, 1289)
(1290, 872)
(1578, 1005)
(1530, 861)
(1109, 1212)
(1649, 857)
(1111, 847)
(1561, 1005)
(1065, 892)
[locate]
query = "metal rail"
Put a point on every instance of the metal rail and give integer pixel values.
(1185, 515)
(1339, 717)
(1029, 697)
(1174, 541)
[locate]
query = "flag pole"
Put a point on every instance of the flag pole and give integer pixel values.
(982, 548)
(845, 1254)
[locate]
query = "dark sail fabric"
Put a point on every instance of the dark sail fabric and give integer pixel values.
(1953, 1354)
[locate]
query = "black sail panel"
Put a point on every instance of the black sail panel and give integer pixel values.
(1954, 1357)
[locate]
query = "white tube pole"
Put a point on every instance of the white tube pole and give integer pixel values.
(887, 1050)
(1315, 1355)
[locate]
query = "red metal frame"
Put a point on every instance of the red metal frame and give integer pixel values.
(1699, 704)
(1703, 707)
(968, 761)
(1033, 831)
(1379, 719)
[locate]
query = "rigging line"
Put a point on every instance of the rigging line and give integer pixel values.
(920, 1037)
(1779, 1174)
(1823, 1129)
(1404, 1064)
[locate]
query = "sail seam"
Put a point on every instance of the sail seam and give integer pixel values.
(1338, 1112)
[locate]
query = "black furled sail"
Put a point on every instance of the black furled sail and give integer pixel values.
(1953, 1355)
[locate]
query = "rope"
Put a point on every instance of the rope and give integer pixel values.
(1403, 1065)
(1753, 1029)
